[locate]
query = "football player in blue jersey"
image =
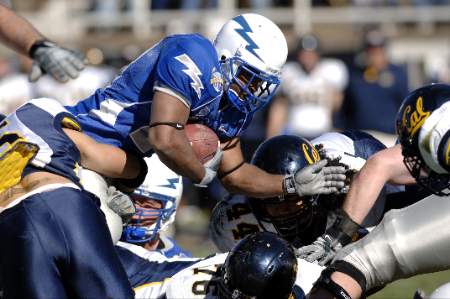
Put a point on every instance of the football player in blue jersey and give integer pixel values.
(187, 79)
(55, 242)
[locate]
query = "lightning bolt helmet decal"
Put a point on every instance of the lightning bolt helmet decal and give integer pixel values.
(243, 32)
(171, 183)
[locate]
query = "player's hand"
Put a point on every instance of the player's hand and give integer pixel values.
(322, 250)
(343, 231)
(318, 179)
(120, 203)
(211, 168)
(56, 61)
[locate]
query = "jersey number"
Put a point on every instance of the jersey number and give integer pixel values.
(203, 287)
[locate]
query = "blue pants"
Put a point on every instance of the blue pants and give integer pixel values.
(56, 244)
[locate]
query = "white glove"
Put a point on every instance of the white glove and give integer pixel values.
(343, 231)
(52, 59)
(120, 203)
(322, 250)
(211, 168)
(315, 179)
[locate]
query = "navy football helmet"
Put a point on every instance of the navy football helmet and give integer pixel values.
(423, 128)
(285, 155)
(261, 266)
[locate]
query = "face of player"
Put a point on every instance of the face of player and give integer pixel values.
(244, 77)
(147, 210)
(286, 208)
(308, 59)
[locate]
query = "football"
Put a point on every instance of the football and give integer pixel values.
(203, 141)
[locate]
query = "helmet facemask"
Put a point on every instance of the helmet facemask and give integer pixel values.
(436, 183)
(289, 216)
(247, 87)
(148, 220)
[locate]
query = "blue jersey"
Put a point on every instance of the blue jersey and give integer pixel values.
(40, 121)
(184, 66)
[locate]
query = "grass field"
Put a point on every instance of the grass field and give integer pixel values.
(405, 288)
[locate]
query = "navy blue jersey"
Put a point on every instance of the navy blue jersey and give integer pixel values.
(145, 267)
(40, 121)
(184, 66)
(55, 244)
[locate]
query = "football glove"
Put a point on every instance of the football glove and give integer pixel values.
(315, 179)
(343, 231)
(120, 203)
(54, 60)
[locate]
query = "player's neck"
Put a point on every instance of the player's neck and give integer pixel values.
(152, 244)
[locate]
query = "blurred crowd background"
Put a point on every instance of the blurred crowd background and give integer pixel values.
(351, 63)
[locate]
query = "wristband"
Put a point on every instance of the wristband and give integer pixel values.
(289, 185)
(137, 181)
(177, 126)
(352, 271)
(38, 44)
(344, 228)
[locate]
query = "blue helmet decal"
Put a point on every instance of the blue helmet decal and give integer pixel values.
(243, 32)
(171, 183)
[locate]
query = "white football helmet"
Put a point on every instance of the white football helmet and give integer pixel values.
(161, 184)
(252, 50)
(442, 292)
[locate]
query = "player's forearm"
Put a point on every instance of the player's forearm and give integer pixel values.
(363, 193)
(368, 183)
(104, 159)
(16, 32)
(254, 182)
(112, 162)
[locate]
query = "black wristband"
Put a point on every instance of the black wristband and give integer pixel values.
(177, 126)
(344, 229)
(352, 271)
(38, 44)
(137, 181)
(326, 283)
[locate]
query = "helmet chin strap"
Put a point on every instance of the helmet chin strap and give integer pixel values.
(431, 136)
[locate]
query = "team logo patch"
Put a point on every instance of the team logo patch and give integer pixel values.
(216, 80)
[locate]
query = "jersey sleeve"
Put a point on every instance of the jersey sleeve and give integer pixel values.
(182, 71)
